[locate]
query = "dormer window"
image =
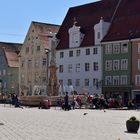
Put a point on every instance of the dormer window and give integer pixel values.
(100, 30)
(98, 35)
(75, 36)
(124, 47)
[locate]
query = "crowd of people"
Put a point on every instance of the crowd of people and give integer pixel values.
(12, 99)
(96, 102)
(76, 101)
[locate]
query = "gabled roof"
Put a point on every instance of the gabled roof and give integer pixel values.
(126, 23)
(86, 16)
(42, 30)
(11, 51)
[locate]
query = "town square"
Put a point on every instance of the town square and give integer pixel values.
(52, 124)
(70, 71)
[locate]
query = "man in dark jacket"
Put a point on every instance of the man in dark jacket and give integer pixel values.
(66, 101)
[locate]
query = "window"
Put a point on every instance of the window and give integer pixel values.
(138, 64)
(98, 35)
(88, 51)
(115, 80)
(116, 48)
(108, 80)
(22, 63)
(115, 64)
(4, 85)
(22, 78)
(138, 48)
(108, 49)
(95, 51)
(27, 49)
(77, 52)
(38, 48)
(69, 82)
(29, 63)
(60, 68)
(78, 67)
(61, 54)
(77, 82)
(36, 77)
(70, 53)
(123, 79)
(75, 38)
(29, 78)
(44, 62)
(95, 83)
(60, 81)
(4, 72)
(108, 65)
(86, 82)
(69, 68)
(124, 64)
(44, 79)
(87, 66)
(137, 80)
(124, 48)
(36, 63)
(95, 80)
(32, 50)
(0, 72)
(95, 66)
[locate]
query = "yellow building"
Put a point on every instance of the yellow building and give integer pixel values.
(34, 59)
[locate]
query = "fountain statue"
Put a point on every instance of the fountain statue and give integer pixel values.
(52, 83)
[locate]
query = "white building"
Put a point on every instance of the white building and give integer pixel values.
(79, 58)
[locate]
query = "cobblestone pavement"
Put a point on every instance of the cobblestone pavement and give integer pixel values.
(55, 124)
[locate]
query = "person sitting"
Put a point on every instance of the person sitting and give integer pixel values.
(17, 102)
(131, 105)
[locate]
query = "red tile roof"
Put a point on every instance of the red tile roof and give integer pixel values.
(11, 51)
(126, 23)
(87, 16)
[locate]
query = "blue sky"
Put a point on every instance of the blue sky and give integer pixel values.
(16, 15)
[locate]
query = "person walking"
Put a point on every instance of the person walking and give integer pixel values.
(66, 101)
(73, 103)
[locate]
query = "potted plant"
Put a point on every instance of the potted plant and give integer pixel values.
(132, 124)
